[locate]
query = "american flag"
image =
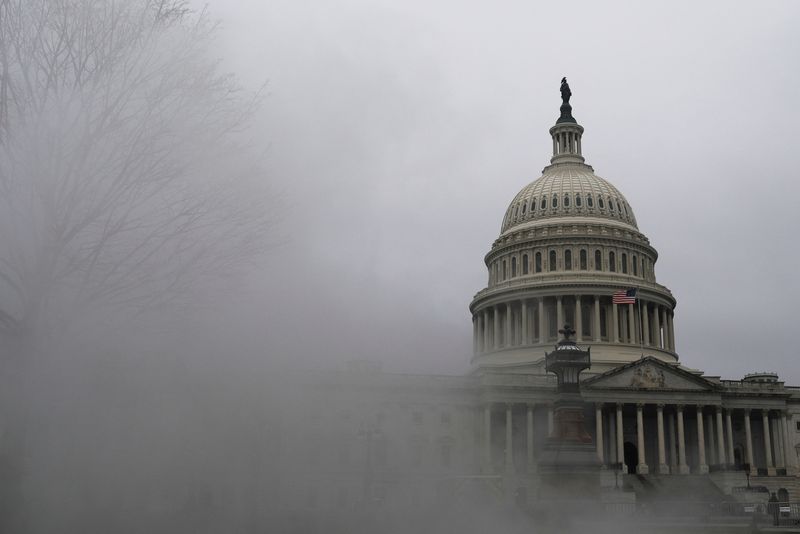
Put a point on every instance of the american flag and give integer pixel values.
(624, 296)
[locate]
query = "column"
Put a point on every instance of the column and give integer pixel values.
(596, 318)
(598, 411)
(479, 334)
(729, 425)
(549, 419)
(748, 434)
(646, 324)
(496, 321)
(524, 317)
(711, 442)
(671, 332)
(529, 441)
(509, 438)
(508, 340)
(791, 456)
(578, 319)
(767, 442)
(631, 324)
(487, 335)
(777, 440)
(620, 440)
(657, 326)
(474, 335)
(702, 468)
(641, 468)
(615, 323)
(682, 467)
(542, 333)
(720, 438)
(665, 324)
(673, 446)
(662, 453)
(612, 439)
(487, 436)
(559, 313)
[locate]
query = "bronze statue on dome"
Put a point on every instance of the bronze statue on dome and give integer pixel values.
(565, 92)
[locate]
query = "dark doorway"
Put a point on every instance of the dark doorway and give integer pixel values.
(737, 457)
(631, 456)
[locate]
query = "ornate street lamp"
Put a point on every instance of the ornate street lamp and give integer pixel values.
(566, 362)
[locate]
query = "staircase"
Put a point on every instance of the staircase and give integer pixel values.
(674, 488)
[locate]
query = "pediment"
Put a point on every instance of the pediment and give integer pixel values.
(648, 374)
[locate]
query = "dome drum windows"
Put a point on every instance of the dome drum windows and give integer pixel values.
(583, 259)
(600, 203)
(566, 201)
(578, 201)
(612, 262)
(635, 266)
(555, 202)
(589, 201)
(538, 262)
(551, 264)
(513, 267)
(524, 264)
(543, 205)
(567, 260)
(598, 260)
(624, 263)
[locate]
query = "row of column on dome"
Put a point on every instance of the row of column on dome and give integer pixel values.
(551, 259)
(648, 438)
(595, 318)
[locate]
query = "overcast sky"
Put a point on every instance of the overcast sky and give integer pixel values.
(398, 132)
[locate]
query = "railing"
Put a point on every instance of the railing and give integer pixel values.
(776, 513)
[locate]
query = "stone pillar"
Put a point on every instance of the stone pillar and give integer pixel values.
(631, 324)
(662, 453)
(665, 324)
(671, 332)
(682, 467)
(767, 442)
(487, 334)
(549, 419)
(496, 320)
(657, 326)
(529, 441)
(578, 319)
(474, 335)
(748, 434)
(612, 439)
(509, 439)
(598, 411)
(524, 318)
(508, 341)
(720, 439)
(542, 332)
(596, 319)
(487, 436)
(646, 324)
(791, 456)
(559, 313)
(729, 425)
(777, 442)
(641, 467)
(673, 446)
(615, 323)
(711, 442)
(702, 468)
(620, 440)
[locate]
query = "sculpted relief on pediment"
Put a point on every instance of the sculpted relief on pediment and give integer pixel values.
(647, 376)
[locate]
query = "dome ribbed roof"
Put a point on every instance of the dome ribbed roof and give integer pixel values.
(568, 190)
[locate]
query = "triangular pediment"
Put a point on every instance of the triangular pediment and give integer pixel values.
(648, 373)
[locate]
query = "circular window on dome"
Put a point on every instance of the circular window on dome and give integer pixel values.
(566, 201)
(589, 201)
(600, 203)
(578, 201)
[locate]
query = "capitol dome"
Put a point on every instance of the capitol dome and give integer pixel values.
(569, 246)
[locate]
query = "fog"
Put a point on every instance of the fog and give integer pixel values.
(204, 205)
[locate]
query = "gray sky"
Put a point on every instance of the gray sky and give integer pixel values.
(398, 132)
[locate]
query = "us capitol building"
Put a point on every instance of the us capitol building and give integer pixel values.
(569, 241)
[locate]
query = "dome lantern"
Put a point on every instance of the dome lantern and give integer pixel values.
(567, 132)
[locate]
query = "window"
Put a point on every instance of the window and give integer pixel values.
(567, 260)
(524, 264)
(598, 260)
(555, 201)
(624, 263)
(589, 201)
(566, 201)
(533, 204)
(552, 263)
(797, 425)
(538, 262)
(544, 204)
(600, 202)
(578, 201)
(635, 266)
(505, 270)
(612, 262)
(513, 267)
(524, 207)
(643, 271)
(584, 260)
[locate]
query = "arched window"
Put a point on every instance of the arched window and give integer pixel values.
(533, 205)
(578, 201)
(584, 260)
(555, 201)
(524, 264)
(505, 270)
(566, 201)
(612, 262)
(624, 263)
(598, 260)
(494, 273)
(524, 207)
(644, 273)
(600, 202)
(552, 263)
(568, 260)
(635, 266)
(611, 205)
(589, 201)
(513, 267)
(538, 262)
(543, 205)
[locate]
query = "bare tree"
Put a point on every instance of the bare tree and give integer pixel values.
(122, 182)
